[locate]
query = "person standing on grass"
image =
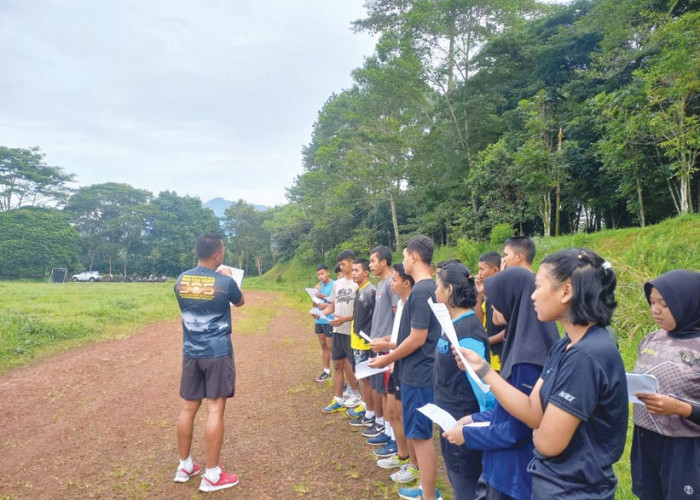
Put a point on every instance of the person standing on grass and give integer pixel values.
(415, 356)
(665, 454)
(322, 328)
(208, 370)
(342, 301)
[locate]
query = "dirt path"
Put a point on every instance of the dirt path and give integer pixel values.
(99, 421)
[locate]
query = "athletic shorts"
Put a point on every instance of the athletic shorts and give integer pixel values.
(392, 387)
(360, 356)
(378, 381)
(341, 348)
(209, 378)
(324, 329)
(415, 424)
(663, 466)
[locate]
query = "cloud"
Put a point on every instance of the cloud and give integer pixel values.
(210, 99)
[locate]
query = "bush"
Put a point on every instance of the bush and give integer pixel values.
(500, 233)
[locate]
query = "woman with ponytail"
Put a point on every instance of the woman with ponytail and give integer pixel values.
(578, 409)
(454, 391)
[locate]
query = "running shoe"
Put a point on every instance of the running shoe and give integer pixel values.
(392, 462)
(357, 412)
(387, 450)
(226, 480)
(406, 474)
(416, 493)
(380, 440)
(182, 475)
(356, 422)
(352, 401)
(374, 431)
(334, 406)
(323, 377)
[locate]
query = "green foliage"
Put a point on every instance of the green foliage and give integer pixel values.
(34, 240)
(500, 233)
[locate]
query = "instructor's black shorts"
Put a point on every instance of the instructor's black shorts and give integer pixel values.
(326, 329)
(209, 378)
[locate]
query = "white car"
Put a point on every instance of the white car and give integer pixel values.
(87, 276)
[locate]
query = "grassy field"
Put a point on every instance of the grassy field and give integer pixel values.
(38, 319)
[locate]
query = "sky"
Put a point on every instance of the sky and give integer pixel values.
(212, 98)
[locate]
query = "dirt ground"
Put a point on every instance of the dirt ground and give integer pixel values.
(99, 421)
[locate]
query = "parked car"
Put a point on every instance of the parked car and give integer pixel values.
(87, 276)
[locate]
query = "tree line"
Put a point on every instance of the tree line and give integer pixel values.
(471, 116)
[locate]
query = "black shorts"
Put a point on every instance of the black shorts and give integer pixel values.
(326, 329)
(341, 348)
(209, 378)
(392, 387)
(663, 466)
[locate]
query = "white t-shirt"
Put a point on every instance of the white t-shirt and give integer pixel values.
(343, 296)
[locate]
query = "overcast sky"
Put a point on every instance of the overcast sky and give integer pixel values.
(206, 98)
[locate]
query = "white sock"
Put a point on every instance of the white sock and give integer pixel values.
(339, 400)
(369, 414)
(187, 464)
(214, 474)
(379, 420)
(326, 370)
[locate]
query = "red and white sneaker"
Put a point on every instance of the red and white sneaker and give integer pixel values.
(226, 480)
(182, 475)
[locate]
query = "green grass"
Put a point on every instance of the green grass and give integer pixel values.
(38, 319)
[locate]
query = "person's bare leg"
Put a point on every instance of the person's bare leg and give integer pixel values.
(185, 427)
(366, 392)
(397, 425)
(350, 375)
(214, 430)
(379, 403)
(425, 454)
(338, 377)
(325, 351)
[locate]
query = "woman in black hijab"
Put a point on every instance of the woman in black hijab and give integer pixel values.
(666, 442)
(507, 442)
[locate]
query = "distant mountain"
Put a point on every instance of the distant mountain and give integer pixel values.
(219, 206)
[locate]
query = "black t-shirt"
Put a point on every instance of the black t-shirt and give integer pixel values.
(453, 392)
(417, 368)
(587, 381)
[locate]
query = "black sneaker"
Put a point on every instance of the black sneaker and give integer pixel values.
(374, 431)
(367, 421)
(356, 422)
(323, 377)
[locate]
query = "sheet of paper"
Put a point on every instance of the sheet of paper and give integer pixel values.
(443, 316)
(317, 312)
(363, 370)
(397, 320)
(637, 382)
(312, 294)
(479, 424)
(236, 274)
(439, 416)
(364, 336)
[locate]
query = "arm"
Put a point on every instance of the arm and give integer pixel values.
(661, 404)
(413, 342)
(498, 338)
(382, 344)
(525, 408)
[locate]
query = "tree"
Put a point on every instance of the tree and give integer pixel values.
(110, 217)
(34, 240)
(248, 237)
(26, 180)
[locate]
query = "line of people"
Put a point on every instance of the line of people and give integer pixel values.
(554, 420)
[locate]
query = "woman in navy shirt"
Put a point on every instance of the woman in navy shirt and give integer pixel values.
(578, 409)
(454, 391)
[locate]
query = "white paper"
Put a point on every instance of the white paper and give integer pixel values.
(312, 294)
(363, 370)
(439, 416)
(478, 424)
(364, 336)
(236, 274)
(397, 320)
(443, 316)
(315, 311)
(640, 383)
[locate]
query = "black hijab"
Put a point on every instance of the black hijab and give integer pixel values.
(680, 290)
(528, 340)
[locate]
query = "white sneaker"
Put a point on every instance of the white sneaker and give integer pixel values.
(406, 474)
(352, 401)
(392, 462)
